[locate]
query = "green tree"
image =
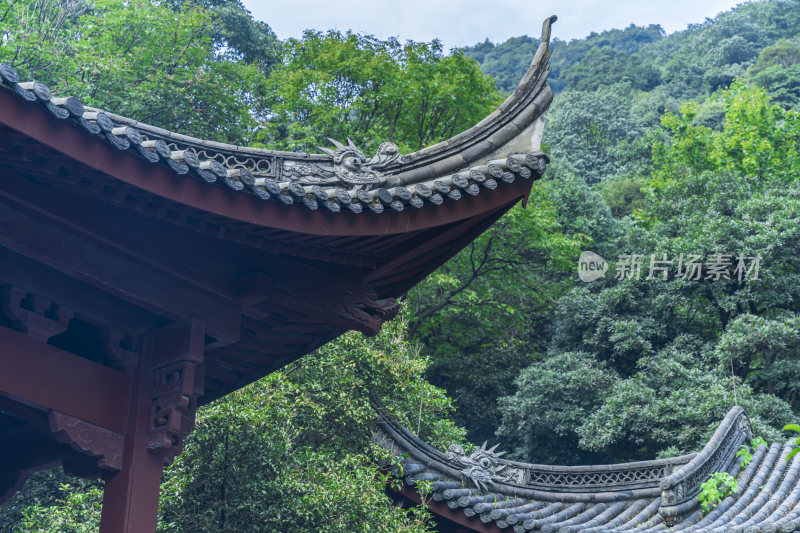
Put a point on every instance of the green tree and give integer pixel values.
(778, 71)
(144, 60)
(52, 501)
(505, 62)
(38, 38)
(685, 351)
(553, 398)
(782, 84)
(357, 86)
(76, 509)
(602, 66)
(160, 64)
(784, 53)
(766, 350)
(483, 315)
(299, 444)
(674, 401)
(239, 37)
(623, 195)
(294, 451)
(599, 133)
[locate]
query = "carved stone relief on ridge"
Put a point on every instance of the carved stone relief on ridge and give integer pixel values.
(348, 168)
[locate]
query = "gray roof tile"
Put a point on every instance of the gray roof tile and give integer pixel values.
(646, 496)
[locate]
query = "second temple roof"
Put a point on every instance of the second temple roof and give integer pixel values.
(483, 492)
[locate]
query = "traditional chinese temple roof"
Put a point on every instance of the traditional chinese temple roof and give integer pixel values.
(144, 272)
(497, 151)
(483, 492)
(296, 248)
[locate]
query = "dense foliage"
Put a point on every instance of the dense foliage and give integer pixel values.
(481, 307)
(291, 453)
(664, 146)
(354, 86)
(294, 451)
(636, 368)
(171, 66)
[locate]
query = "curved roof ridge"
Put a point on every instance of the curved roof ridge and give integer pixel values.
(493, 154)
(531, 89)
(717, 455)
(408, 436)
(490, 491)
(531, 83)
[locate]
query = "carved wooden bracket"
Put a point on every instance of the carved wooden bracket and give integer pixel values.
(176, 389)
(89, 439)
(115, 346)
(32, 314)
(178, 381)
(368, 312)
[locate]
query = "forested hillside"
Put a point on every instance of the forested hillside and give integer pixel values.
(657, 149)
(676, 151)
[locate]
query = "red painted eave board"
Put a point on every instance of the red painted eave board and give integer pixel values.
(36, 123)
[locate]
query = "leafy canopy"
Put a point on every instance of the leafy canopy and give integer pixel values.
(294, 451)
(164, 64)
(357, 86)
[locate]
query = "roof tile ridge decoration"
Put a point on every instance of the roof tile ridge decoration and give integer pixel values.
(531, 86)
(485, 469)
(483, 490)
(502, 148)
(680, 489)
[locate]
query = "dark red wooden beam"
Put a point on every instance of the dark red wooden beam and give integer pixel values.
(46, 377)
(90, 303)
(30, 231)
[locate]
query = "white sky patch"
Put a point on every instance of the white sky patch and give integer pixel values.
(464, 22)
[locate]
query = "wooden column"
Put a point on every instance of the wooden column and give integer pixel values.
(167, 382)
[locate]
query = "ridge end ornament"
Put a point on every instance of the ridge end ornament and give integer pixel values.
(349, 167)
(483, 467)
